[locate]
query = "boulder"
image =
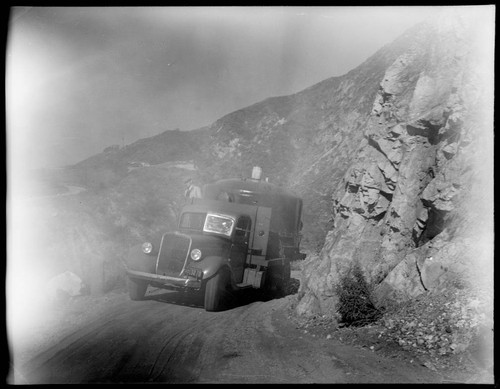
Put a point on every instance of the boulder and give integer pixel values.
(65, 285)
(400, 285)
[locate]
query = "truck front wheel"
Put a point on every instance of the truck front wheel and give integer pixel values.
(216, 292)
(136, 289)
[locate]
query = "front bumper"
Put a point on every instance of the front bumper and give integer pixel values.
(178, 282)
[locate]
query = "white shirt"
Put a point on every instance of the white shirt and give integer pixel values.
(193, 192)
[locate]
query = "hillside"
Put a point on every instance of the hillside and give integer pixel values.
(413, 215)
(394, 161)
(303, 141)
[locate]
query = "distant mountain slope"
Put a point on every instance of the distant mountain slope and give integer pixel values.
(305, 141)
(172, 145)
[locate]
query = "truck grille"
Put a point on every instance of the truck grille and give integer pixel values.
(173, 254)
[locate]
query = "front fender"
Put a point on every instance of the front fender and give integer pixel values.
(211, 265)
(137, 260)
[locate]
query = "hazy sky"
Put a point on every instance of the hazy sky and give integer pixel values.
(81, 79)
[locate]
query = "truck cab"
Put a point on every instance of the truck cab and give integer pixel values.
(242, 234)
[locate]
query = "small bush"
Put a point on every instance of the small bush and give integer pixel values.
(355, 305)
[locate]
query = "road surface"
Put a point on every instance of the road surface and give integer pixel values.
(169, 338)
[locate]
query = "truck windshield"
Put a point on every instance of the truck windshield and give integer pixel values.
(192, 221)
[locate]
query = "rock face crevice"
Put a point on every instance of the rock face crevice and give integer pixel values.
(403, 207)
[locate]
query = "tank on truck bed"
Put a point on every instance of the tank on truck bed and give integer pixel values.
(285, 225)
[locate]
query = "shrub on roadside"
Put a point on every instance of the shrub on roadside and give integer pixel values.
(355, 305)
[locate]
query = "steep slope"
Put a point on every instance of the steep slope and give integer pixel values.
(414, 210)
(304, 141)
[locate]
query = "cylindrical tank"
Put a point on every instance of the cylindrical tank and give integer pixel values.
(287, 207)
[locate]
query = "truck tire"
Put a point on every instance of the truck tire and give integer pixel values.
(216, 292)
(136, 289)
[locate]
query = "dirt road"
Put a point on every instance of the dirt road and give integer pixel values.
(170, 338)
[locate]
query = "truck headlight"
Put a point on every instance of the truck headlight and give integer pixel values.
(195, 255)
(147, 248)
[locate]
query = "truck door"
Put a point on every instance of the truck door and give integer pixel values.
(239, 247)
(260, 236)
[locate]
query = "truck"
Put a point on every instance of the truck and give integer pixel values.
(242, 234)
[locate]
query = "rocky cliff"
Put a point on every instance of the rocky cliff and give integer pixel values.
(414, 208)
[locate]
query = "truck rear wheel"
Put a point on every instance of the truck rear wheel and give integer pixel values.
(278, 279)
(136, 289)
(216, 292)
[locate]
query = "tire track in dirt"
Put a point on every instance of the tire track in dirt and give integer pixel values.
(170, 338)
(126, 337)
(149, 341)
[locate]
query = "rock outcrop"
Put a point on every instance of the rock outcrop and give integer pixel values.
(65, 286)
(415, 208)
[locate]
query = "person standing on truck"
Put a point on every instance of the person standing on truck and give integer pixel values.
(225, 196)
(192, 191)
